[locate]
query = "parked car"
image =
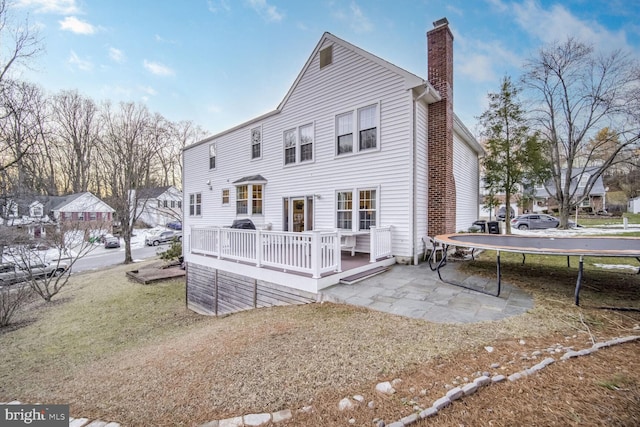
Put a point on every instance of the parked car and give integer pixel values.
(14, 273)
(174, 225)
(162, 237)
(502, 213)
(111, 242)
(536, 222)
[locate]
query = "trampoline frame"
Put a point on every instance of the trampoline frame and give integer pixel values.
(457, 240)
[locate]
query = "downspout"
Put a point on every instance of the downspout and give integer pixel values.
(414, 214)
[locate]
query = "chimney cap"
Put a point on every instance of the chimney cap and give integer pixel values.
(440, 22)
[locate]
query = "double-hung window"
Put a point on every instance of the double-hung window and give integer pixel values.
(306, 143)
(242, 197)
(290, 142)
(249, 198)
(195, 204)
(256, 142)
(367, 127)
(225, 196)
(364, 209)
(344, 210)
(212, 156)
(362, 122)
(344, 126)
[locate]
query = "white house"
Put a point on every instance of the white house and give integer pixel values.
(581, 178)
(158, 205)
(634, 205)
(359, 155)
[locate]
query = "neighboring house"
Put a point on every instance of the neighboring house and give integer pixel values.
(158, 206)
(81, 208)
(360, 155)
(633, 205)
(43, 211)
(580, 177)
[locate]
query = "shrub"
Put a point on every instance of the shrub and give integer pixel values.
(174, 252)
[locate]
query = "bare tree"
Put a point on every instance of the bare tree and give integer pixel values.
(12, 298)
(76, 123)
(575, 92)
(19, 42)
(126, 155)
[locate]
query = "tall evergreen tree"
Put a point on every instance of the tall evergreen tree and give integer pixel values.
(514, 153)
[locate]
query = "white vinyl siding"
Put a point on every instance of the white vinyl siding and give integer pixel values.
(466, 176)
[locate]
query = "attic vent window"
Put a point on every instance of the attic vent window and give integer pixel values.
(326, 56)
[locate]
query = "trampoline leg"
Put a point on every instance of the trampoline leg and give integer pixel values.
(523, 258)
(579, 282)
(638, 258)
(498, 272)
(473, 258)
(442, 262)
(568, 262)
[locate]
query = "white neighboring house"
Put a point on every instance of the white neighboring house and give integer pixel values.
(158, 206)
(360, 154)
(633, 206)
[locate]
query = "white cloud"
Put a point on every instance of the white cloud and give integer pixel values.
(158, 69)
(359, 22)
(216, 6)
(62, 7)
(215, 109)
(116, 54)
(267, 11)
(79, 63)
(477, 67)
(73, 24)
(557, 23)
(148, 90)
(498, 5)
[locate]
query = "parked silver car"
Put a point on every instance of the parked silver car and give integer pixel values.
(536, 222)
(13, 273)
(163, 237)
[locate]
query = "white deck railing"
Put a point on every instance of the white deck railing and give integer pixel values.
(314, 252)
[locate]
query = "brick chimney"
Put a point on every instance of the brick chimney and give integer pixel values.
(441, 185)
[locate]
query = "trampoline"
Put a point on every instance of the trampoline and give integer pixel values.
(600, 246)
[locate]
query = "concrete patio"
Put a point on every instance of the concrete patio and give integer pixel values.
(416, 291)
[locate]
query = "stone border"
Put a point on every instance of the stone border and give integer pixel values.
(453, 394)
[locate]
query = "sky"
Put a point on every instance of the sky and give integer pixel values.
(220, 63)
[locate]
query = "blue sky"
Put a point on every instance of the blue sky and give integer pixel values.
(222, 62)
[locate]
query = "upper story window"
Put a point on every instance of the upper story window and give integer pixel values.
(212, 156)
(362, 122)
(93, 216)
(195, 204)
(225, 196)
(584, 180)
(165, 203)
(290, 142)
(298, 144)
(326, 56)
(36, 211)
(173, 204)
(256, 143)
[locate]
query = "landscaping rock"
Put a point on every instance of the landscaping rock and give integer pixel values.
(441, 403)
(429, 412)
(345, 404)
(280, 416)
(231, 422)
(385, 388)
(498, 378)
(358, 398)
(409, 419)
(469, 388)
(455, 394)
(256, 419)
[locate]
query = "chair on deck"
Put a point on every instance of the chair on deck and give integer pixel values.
(433, 247)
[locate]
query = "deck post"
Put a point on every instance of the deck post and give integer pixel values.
(258, 248)
(218, 231)
(337, 250)
(316, 253)
(373, 249)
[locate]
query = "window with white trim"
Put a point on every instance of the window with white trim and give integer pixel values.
(242, 197)
(367, 127)
(256, 142)
(364, 123)
(249, 195)
(212, 156)
(195, 204)
(344, 130)
(225, 196)
(365, 210)
(344, 210)
(290, 142)
(298, 144)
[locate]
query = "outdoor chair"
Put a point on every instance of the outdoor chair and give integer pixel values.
(432, 248)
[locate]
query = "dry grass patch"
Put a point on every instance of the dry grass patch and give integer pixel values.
(122, 351)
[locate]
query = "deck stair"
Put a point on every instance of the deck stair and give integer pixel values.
(355, 278)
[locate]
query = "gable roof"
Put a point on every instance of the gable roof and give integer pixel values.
(411, 81)
(152, 193)
(576, 173)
